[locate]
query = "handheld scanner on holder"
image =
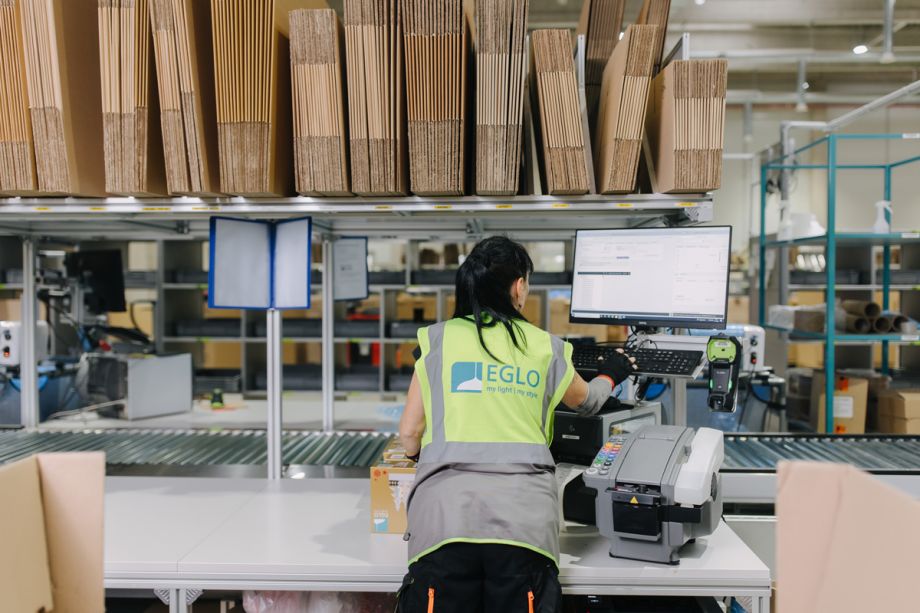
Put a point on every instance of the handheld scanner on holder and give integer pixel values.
(724, 354)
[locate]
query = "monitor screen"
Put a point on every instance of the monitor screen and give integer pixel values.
(101, 276)
(661, 277)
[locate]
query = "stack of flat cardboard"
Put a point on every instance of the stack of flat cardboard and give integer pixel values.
(686, 126)
(376, 97)
(17, 153)
(321, 165)
(561, 117)
(601, 22)
(435, 34)
(655, 13)
(621, 116)
(253, 84)
(131, 132)
(185, 81)
(61, 43)
(501, 69)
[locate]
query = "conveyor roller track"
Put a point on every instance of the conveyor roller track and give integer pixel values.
(200, 447)
(883, 454)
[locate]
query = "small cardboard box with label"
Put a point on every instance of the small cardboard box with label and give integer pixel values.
(899, 411)
(392, 478)
(850, 396)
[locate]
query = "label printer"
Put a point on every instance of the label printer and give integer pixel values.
(657, 489)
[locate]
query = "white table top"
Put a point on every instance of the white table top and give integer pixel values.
(316, 532)
(152, 522)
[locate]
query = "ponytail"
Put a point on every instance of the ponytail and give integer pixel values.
(484, 283)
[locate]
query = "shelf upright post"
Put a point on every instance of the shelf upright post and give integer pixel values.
(328, 339)
(274, 370)
(886, 272)
(28, 365)
(762, 251)
(831, 269)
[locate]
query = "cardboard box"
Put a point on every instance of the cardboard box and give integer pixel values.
(850, 398)
(407, 305)
(878, 384)
(809, 320)
(210, 313)
(143, 313)
(899, 412)
(806, 355)
(52, 533)
(392, 478)
(845, 541)
(222, 355)
(533, 309)
(739, 310)
(560, 326)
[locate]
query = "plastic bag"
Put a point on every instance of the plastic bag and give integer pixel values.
(317, 602)
(275, 602)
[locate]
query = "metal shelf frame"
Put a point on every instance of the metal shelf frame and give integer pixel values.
(533, 217)
(787, 162)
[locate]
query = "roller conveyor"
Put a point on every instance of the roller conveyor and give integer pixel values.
(200, 448)
(882, 454)
(749, 470)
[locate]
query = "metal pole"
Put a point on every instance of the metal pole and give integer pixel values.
(762, 255)
(831, 268)
(878, 103)
(679, 385)
(275, 386)
(328, 347)
(886, 272)
(28, 367)
(888, 33)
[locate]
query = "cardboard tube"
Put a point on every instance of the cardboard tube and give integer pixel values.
(858, 325)
(862, 308)
(881, 325)
(897, 320)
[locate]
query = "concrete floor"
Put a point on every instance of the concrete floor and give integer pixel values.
(301, 411)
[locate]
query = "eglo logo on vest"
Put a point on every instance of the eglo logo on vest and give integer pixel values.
(479, 377)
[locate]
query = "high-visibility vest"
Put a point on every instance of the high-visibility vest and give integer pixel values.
(482, 409)
(486, 474)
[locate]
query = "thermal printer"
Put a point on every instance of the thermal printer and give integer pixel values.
(657, 489)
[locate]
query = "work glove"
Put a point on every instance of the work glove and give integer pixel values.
(617, 367)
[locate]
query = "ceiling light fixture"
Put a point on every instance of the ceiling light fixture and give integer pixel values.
(860, 49)
(699, 2)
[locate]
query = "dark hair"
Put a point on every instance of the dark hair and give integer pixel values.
(484, 283)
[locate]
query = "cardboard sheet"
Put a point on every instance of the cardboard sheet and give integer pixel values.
(845, 541)
(51, 527)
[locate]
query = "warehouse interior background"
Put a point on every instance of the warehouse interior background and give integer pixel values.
(313, 396)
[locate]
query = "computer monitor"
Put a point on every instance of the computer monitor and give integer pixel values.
(101, 275)
(656, 277)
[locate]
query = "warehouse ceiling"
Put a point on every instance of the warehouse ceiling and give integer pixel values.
(765, 42)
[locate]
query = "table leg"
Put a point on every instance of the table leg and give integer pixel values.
(760, 604)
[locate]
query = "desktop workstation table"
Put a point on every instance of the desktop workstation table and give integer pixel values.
(183, 535)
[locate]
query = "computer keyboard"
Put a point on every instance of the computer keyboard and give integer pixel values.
(661, 362)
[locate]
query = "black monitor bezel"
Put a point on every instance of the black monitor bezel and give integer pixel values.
(653, 322)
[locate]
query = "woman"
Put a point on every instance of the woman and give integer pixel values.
(483, 515)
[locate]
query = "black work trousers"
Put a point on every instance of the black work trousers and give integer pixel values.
(481, 578)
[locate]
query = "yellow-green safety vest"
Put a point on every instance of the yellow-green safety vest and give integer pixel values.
(482, 409)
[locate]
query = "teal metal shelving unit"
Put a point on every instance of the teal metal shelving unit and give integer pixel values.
(831, 239)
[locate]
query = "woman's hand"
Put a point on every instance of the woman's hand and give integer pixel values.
(617, 367)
